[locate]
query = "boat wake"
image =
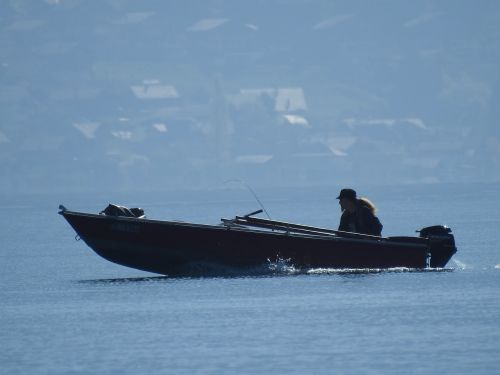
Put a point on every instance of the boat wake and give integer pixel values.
(361, 271)
(460, 265)
(280, 267)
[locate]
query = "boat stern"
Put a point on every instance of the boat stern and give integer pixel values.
(442, 244)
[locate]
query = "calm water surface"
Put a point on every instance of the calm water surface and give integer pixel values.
(64, 310)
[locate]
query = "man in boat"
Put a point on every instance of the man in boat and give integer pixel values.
(358, 215)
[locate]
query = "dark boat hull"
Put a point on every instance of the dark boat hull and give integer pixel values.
(170, 248)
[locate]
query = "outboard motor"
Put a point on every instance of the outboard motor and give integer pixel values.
(442, 244)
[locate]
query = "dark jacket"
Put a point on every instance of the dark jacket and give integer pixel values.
(361, 221)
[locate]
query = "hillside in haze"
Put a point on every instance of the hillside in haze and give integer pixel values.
(99, 95)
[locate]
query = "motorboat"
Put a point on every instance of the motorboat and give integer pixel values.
(126, 237)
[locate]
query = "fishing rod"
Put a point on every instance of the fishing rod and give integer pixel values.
(253, 193)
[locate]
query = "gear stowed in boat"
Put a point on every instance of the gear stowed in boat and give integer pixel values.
(125, 236)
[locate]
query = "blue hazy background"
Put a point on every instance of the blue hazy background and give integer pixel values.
(147, 95)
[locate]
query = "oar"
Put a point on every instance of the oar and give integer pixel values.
(290, 229)
(254, 221)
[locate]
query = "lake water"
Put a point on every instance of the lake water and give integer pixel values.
(65, 310)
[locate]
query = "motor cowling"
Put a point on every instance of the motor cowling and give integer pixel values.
(435, 230)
